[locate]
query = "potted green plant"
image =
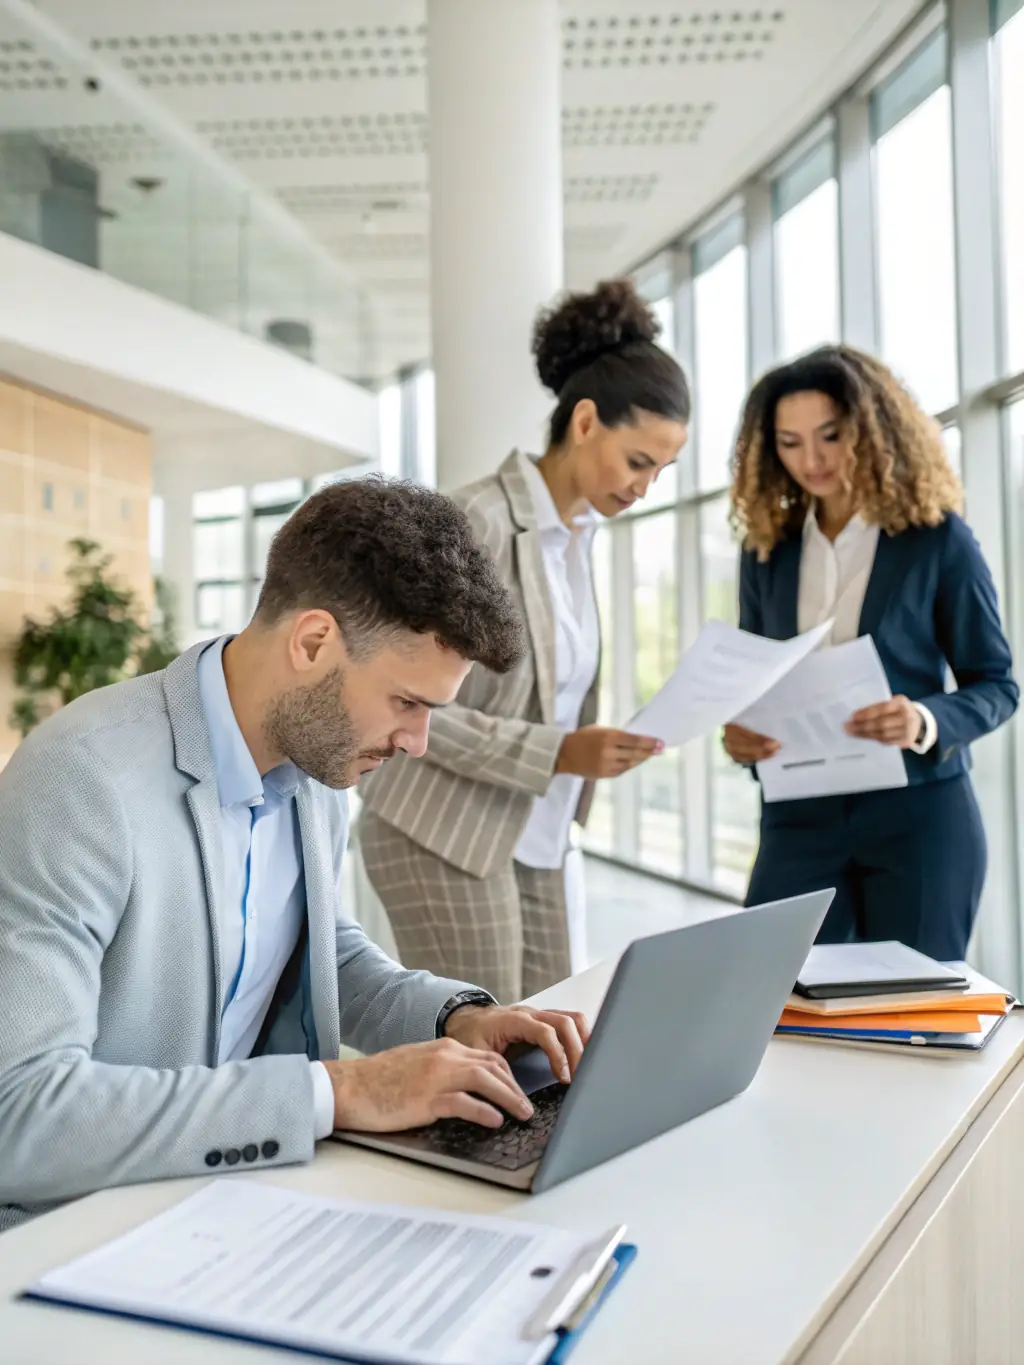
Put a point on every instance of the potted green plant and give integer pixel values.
(96, 640)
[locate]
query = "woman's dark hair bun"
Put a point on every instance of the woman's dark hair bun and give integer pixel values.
(581, 327)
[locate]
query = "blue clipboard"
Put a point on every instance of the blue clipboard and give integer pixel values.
(568, 1338)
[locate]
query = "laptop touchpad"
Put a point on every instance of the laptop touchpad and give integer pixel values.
(532, 1070)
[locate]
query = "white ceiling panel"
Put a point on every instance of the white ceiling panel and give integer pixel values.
(667, 104)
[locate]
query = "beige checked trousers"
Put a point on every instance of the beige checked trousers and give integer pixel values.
(506, 933)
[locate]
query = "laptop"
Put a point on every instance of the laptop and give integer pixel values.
(683, 1028)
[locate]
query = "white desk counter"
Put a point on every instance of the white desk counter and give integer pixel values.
(851, 1205)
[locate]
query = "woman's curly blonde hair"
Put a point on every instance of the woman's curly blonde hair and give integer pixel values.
(900, 475)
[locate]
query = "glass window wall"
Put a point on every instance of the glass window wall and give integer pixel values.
(1009, 109)
(218, 551)
(733, 794)
(656, 633)
(911, 114)
(389, 430)
(426, 452)
(953, 442)
(696, 812)
(600, 830)
(806, 206)
(720, 362)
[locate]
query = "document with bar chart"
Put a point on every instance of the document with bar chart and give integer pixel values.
(806, 711)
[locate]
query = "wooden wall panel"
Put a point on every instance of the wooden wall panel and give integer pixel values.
(65, 471)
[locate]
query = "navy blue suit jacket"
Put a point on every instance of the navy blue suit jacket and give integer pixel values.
(930, 602)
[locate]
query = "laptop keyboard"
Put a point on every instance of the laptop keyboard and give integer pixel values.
(510, 1147)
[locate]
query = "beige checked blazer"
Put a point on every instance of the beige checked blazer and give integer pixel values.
(495, 749)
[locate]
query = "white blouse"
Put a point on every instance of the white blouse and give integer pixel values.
(566, 553)
(834, 578)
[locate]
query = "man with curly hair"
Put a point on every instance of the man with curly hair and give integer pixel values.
(176, 977)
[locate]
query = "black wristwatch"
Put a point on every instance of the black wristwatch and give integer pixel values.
(456, 1003)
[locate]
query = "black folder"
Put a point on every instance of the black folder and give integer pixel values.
(847, 970)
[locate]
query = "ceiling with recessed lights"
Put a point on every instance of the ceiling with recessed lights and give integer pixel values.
(321, 104)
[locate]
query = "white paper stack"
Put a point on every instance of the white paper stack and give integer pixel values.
(789, 691)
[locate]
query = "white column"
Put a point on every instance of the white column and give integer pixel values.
(496, 221)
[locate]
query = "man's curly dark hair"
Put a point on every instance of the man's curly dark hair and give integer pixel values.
(383, 557)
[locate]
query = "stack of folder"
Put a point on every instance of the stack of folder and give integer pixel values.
(884, 994)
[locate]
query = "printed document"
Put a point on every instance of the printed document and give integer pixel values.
(806, 711)
(359, 1282)
(723, 672)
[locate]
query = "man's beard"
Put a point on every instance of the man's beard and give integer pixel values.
(311, 727)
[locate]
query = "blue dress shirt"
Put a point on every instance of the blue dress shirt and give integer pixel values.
(263, 905)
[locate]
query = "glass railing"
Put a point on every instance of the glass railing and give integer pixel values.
(145, 201)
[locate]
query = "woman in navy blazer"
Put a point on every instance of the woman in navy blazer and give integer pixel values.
(849, 509)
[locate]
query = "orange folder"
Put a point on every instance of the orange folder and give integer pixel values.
(925, 1021)
(975, 1003)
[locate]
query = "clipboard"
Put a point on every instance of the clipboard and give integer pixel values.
(570, 1334)
(213, 1228)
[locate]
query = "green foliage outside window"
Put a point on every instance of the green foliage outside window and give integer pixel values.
(656, 624)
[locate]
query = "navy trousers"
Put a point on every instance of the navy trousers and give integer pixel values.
(907, 864)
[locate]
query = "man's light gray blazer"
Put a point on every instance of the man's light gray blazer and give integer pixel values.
(110, 976)
(491, 753)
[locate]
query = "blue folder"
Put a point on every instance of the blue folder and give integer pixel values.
(882, 1034)
(917, 1039)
